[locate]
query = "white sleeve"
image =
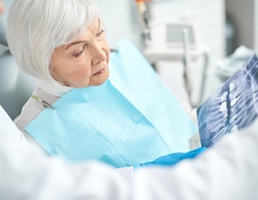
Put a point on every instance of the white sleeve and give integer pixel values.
(228, 171)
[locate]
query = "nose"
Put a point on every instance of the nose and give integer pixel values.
(99, 53)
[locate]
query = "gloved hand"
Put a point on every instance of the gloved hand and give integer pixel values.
(171, 159)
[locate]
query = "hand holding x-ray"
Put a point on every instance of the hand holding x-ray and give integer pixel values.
(233, 107)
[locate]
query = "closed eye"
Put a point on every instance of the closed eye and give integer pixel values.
(81, 51)
(100, 33)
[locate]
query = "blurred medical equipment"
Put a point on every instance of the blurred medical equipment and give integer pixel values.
(230, 64)
(143, 17)
(44, 103)
(178, 41)
(15, 87)
(174, 41)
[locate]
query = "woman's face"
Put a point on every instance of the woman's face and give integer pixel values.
(83, 62)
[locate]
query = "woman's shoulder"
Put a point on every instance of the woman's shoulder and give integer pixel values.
(32, 108)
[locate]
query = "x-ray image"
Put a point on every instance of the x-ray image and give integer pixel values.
(232, 107)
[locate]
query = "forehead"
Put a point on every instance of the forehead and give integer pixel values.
(90, 30)
(94, 25)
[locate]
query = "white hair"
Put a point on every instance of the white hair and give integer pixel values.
(36, 27)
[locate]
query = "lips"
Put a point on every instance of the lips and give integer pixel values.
(101, 71)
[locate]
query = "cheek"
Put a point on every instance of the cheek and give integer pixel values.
(72, 75)
(80, 76)
(74, 72)
(107, 50)
(80, 73)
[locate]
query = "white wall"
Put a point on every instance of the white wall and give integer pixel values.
(120, 20)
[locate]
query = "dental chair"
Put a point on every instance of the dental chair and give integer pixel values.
(15, 86)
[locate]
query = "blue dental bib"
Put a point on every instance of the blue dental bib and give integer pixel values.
(129, 119)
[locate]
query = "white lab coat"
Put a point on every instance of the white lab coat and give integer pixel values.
(228, 171)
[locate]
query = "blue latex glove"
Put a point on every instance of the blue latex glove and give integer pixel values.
(171, 159)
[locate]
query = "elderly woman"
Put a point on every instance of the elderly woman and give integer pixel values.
(80, 112)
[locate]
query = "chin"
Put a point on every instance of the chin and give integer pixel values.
(99, 82)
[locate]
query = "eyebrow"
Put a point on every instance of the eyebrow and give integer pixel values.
(74, 43)
(81, 41)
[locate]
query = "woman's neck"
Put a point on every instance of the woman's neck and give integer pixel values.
(54, 88)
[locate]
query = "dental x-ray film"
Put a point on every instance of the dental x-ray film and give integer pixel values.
(232, 107)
